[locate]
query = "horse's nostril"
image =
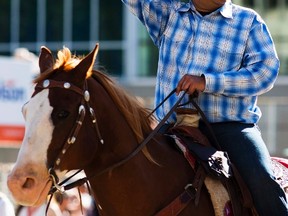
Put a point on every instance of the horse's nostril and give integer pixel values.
(29, 183)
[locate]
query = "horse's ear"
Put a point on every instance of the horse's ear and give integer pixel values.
(87, 63)
(46, 60)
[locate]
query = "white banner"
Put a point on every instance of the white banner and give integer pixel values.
(15, 90)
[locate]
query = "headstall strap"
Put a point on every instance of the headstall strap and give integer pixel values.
(94, 121)
(73, 134)
(92, 113)
(46, 84)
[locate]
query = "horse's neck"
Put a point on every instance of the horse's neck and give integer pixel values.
(126, 189)
(129, 186)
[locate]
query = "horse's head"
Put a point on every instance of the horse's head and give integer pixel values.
(53, 117)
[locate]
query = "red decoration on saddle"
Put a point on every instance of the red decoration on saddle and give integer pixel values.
(283, 161)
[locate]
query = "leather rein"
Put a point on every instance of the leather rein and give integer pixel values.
(62, 186)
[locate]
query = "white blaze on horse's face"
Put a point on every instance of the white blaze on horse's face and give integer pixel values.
(29, 180)
(38, 128)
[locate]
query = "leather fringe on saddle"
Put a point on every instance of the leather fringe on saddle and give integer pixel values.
(211, 161)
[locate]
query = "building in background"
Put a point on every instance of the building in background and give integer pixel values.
(126, 50)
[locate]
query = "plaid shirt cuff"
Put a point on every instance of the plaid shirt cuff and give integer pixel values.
(215, 82)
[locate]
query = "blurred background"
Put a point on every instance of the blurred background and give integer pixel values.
(125, 51)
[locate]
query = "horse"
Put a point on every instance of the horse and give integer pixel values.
(80, 119)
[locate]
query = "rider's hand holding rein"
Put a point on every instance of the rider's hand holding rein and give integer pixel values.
(191, 84)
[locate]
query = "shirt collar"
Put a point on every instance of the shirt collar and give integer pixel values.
(225, 10)
(185, 7)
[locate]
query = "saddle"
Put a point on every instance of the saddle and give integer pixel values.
(239, 194)
(208, 161)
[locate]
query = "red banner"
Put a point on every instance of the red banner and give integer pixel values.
(11, 133)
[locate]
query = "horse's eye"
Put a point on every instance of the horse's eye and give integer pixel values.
(62, 114)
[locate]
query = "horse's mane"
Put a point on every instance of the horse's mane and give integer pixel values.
(133, 111)
(135, 114)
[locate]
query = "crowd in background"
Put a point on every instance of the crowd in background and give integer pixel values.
(68, 203)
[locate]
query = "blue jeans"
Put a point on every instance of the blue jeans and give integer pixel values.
(248, 152)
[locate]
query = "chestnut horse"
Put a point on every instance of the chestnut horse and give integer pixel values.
(78, 118)
(55, 138)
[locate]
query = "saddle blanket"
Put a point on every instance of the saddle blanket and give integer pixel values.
(218, 193)
(280, 169)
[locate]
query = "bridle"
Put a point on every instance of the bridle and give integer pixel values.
(82, 110)
(83, 107)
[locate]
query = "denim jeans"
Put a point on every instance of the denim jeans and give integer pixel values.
(248, 152)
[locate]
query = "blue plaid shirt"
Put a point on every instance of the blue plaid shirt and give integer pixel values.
(231, 47)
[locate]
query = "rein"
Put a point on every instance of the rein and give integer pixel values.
(62, 186)
(48, 84)
(123, 161)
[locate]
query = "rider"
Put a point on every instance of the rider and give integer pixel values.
(225, 53)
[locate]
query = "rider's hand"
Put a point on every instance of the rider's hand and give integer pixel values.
(191, 83)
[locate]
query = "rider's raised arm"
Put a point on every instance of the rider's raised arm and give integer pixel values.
(154, 14)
